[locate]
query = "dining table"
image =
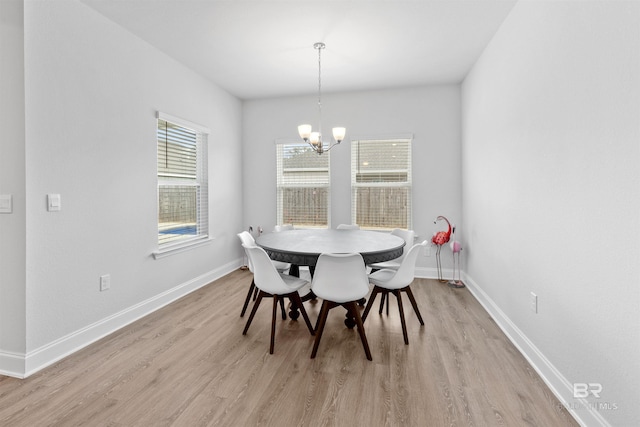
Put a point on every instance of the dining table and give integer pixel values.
(302, 247)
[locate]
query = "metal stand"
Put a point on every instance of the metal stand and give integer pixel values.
(439, 264)
(456, 283)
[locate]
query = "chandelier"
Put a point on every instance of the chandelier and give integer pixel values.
(314, 139)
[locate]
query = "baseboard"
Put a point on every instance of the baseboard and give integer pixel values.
(24, 365)
(583, 412)
(432, 273)
(12, 364)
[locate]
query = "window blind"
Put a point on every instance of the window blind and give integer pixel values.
(303, 191)
(182, 183)
(381, 183)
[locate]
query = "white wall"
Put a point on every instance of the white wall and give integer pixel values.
(92, 91)
(12, 181)
(431, 114)
(550, 194)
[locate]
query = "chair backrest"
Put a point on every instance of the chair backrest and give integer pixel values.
(407, 270)
(283, 227)
(247, 239)
(340, 277)
(348, 227)
(408, 236)
(265, 275)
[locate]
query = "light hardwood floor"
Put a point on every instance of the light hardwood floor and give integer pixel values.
(189, 365)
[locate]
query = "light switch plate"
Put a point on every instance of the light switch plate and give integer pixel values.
(53, 202)
(6, 203)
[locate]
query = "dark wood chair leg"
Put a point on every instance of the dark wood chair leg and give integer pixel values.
(351, 306)
(295, 299)
(284, 312)
(253, 312)
(385, 298)
(398, 295)
(273, 322)
(322, 319)
(252, 287)
(372, 298)
(413, 303)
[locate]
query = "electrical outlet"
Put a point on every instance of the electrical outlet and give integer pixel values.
(6, 203)
(54, 203)
(427, 250)
(534, 302)
(105, 282)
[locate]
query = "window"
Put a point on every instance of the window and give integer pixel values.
(182, 182)
(302, 186)
(381, 183)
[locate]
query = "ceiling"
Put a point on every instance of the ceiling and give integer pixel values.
(264, 48)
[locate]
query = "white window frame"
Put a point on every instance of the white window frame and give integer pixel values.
(201, 182)
(407, 184)
(322, 181)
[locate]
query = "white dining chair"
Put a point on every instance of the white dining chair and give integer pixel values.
(408, 236)
(276, 285)
(348, 227)
(340, 280)
(388, 281)
(247, 239)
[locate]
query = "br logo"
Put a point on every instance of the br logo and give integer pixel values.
(584, 389)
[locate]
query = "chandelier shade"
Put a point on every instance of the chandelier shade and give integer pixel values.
(306, 132)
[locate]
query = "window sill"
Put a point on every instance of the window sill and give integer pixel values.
(181, 247)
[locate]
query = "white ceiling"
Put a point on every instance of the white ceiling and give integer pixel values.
(264, 48)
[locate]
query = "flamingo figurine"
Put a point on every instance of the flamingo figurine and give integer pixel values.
(439, 239)
(456, 247)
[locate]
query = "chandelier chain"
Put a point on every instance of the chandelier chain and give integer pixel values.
(319, 46)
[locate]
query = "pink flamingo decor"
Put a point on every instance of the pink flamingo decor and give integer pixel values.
(456, 247)
(439, 239)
